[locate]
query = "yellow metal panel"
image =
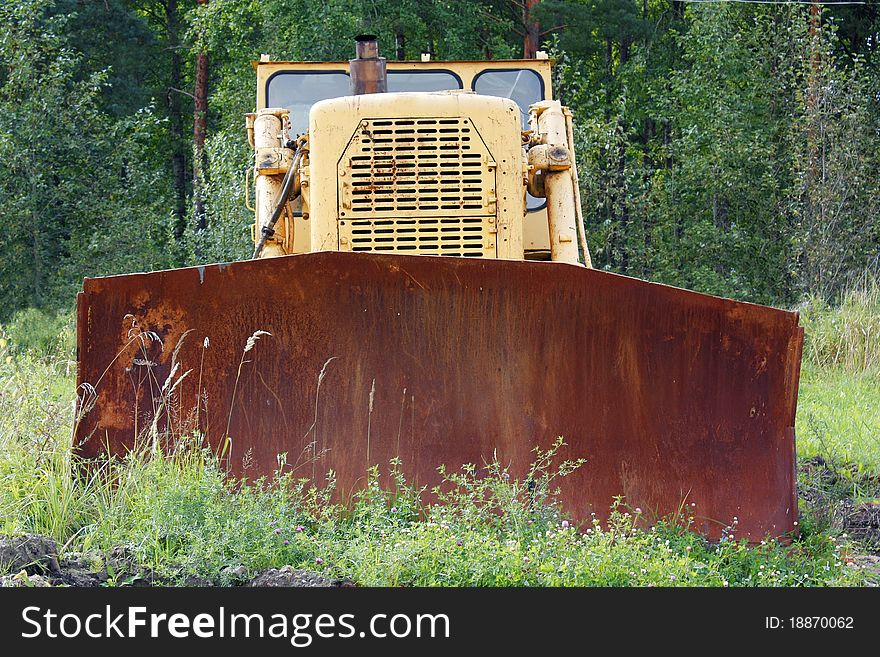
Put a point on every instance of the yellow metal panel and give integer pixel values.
(336, 137)
(448, 236)
(531, 236)
(536, 234)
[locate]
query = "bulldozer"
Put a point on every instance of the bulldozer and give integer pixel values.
(421, 290)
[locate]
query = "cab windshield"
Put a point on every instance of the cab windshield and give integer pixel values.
(297, 91)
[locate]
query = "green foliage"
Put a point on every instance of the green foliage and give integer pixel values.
(834, 200)
(728, 152)
(457, 29)
(40, 491)
(126, 58)
(723, 148)
(839, 417)
(838, 414)
(38, 333)
(845, 336)
(79, 192)
(724, 193)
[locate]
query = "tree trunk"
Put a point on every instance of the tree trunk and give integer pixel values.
(200, 126)
(532, 40)
(175, 120)
(400, 46)
(678, 8)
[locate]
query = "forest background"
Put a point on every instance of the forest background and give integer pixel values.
(727, 147)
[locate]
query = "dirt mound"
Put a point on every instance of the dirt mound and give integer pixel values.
(32, 560)
(863, 524)
(829, 492)
(37, 555)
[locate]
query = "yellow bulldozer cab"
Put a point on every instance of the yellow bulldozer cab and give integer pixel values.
(297, 86)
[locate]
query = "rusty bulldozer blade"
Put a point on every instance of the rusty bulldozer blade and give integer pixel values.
(676, 399)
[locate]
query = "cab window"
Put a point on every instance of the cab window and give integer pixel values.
(297, 91)
(520, 85)
(422, 81)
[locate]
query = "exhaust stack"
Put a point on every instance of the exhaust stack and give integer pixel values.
(367, 70)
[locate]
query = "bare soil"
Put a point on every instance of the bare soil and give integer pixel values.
(33, 561)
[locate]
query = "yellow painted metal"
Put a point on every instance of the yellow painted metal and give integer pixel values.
(438, 167)
(551, 157)
(269, 131)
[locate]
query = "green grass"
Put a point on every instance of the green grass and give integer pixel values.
(845, 336)
(838, 416)
(179, 515)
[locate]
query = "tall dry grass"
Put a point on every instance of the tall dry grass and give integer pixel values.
(847, 335)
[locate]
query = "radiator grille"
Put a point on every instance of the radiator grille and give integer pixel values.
(452, 236)
(435, 166)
